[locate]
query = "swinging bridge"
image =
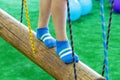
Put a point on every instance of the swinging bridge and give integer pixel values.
(16, 34)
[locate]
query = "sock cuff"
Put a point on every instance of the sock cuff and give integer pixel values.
(60, 43)
(41, 29)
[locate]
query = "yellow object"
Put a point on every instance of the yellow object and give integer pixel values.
(29, 26)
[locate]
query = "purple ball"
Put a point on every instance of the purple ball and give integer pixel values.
(116, 6)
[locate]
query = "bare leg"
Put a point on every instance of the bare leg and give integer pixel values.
(59, 18)
(44, 14)
(43, 31)
(58, 9)
(63, 48)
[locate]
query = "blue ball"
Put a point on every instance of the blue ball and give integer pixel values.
(75, 10)
(116, 5)
(86, 6)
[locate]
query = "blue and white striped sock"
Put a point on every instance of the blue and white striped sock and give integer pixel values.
(64, 51)
(44, 35)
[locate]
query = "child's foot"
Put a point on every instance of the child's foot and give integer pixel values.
(64, 51)
(44, 35)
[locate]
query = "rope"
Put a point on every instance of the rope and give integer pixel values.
(29, 26)
(21, 17)
(71, 40)
(71, 36)
(108, 32)
(104, 40)
(109, 25)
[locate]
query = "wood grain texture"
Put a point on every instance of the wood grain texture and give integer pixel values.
(17, 35)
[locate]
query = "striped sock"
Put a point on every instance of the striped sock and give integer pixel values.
(64, 51)
(44, 35)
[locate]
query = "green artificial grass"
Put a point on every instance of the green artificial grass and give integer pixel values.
(87, 41)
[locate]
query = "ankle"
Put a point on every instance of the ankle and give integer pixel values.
(60, 45)
(41, 32)
(44, 35)
(64, 51)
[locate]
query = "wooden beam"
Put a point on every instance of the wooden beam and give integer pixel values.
(17, 35)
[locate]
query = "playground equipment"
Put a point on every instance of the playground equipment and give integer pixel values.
(17, 35)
